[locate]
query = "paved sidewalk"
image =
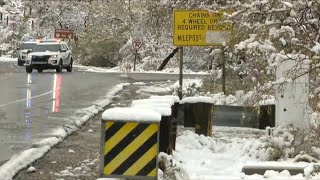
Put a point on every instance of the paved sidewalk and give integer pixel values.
(77, 157)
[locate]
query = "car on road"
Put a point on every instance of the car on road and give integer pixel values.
(50, 54)
(23, 50)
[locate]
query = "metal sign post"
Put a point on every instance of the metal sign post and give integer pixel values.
(135, 60)
(180, 73)
(136, 44)
(137, 38)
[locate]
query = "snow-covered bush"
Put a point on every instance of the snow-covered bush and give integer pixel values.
(170, 168)
(285, 142)
(314, 138)
(277, 146)
(190, 88)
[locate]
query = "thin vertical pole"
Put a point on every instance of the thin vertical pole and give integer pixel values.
(135, 59)
(223, 73)
(181, 73)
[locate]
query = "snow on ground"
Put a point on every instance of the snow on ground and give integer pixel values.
(170, 87)
(116, 69)
(223, 155)
(8, 59)
(95, 69)
(23, 159)
(82, 170)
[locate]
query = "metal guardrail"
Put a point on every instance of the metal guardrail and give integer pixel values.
(235, 116)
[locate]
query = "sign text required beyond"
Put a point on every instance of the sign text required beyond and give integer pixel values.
(200, 28)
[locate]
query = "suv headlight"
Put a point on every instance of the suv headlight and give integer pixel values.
(29, 56)
(54, 56)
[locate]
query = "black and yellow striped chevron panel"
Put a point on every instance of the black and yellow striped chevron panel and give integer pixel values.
(130, 149)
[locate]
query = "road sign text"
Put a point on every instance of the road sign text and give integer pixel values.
(200, 28)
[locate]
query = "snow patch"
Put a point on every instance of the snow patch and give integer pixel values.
(31, 169)
(131, 114)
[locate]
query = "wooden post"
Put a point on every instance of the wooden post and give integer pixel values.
(188, 115)
(267, 116)
(203, 113)
(165, 135)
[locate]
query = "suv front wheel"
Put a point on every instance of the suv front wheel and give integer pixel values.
(60, 67)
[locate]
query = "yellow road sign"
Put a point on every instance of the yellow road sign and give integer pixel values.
(130, 149)
(200, 28)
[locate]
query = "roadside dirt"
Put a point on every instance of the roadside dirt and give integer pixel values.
(77, 157)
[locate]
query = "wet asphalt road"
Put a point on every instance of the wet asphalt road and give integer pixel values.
(33, 105)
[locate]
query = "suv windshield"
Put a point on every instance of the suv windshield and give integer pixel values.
(47, 47)
(27, 46)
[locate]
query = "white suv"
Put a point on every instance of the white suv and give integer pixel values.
(49, 55)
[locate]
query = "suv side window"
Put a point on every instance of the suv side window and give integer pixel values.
(66, 47)
(62, 47)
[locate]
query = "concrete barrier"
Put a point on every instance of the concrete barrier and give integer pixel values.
(129, 143)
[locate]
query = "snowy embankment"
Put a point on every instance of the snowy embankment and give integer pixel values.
(23, 159)
(117, 70)
(8, 59)
(222, 156)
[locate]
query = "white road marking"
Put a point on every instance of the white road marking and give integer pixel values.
(25, 99)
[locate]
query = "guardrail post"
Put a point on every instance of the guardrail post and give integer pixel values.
(164, 107)
(267, 116)
(198, 113)
(203, 118)
(189, 119)
(129, 143)
(172, 128)
(164, 142)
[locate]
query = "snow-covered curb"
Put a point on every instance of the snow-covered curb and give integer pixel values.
(23, 159)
